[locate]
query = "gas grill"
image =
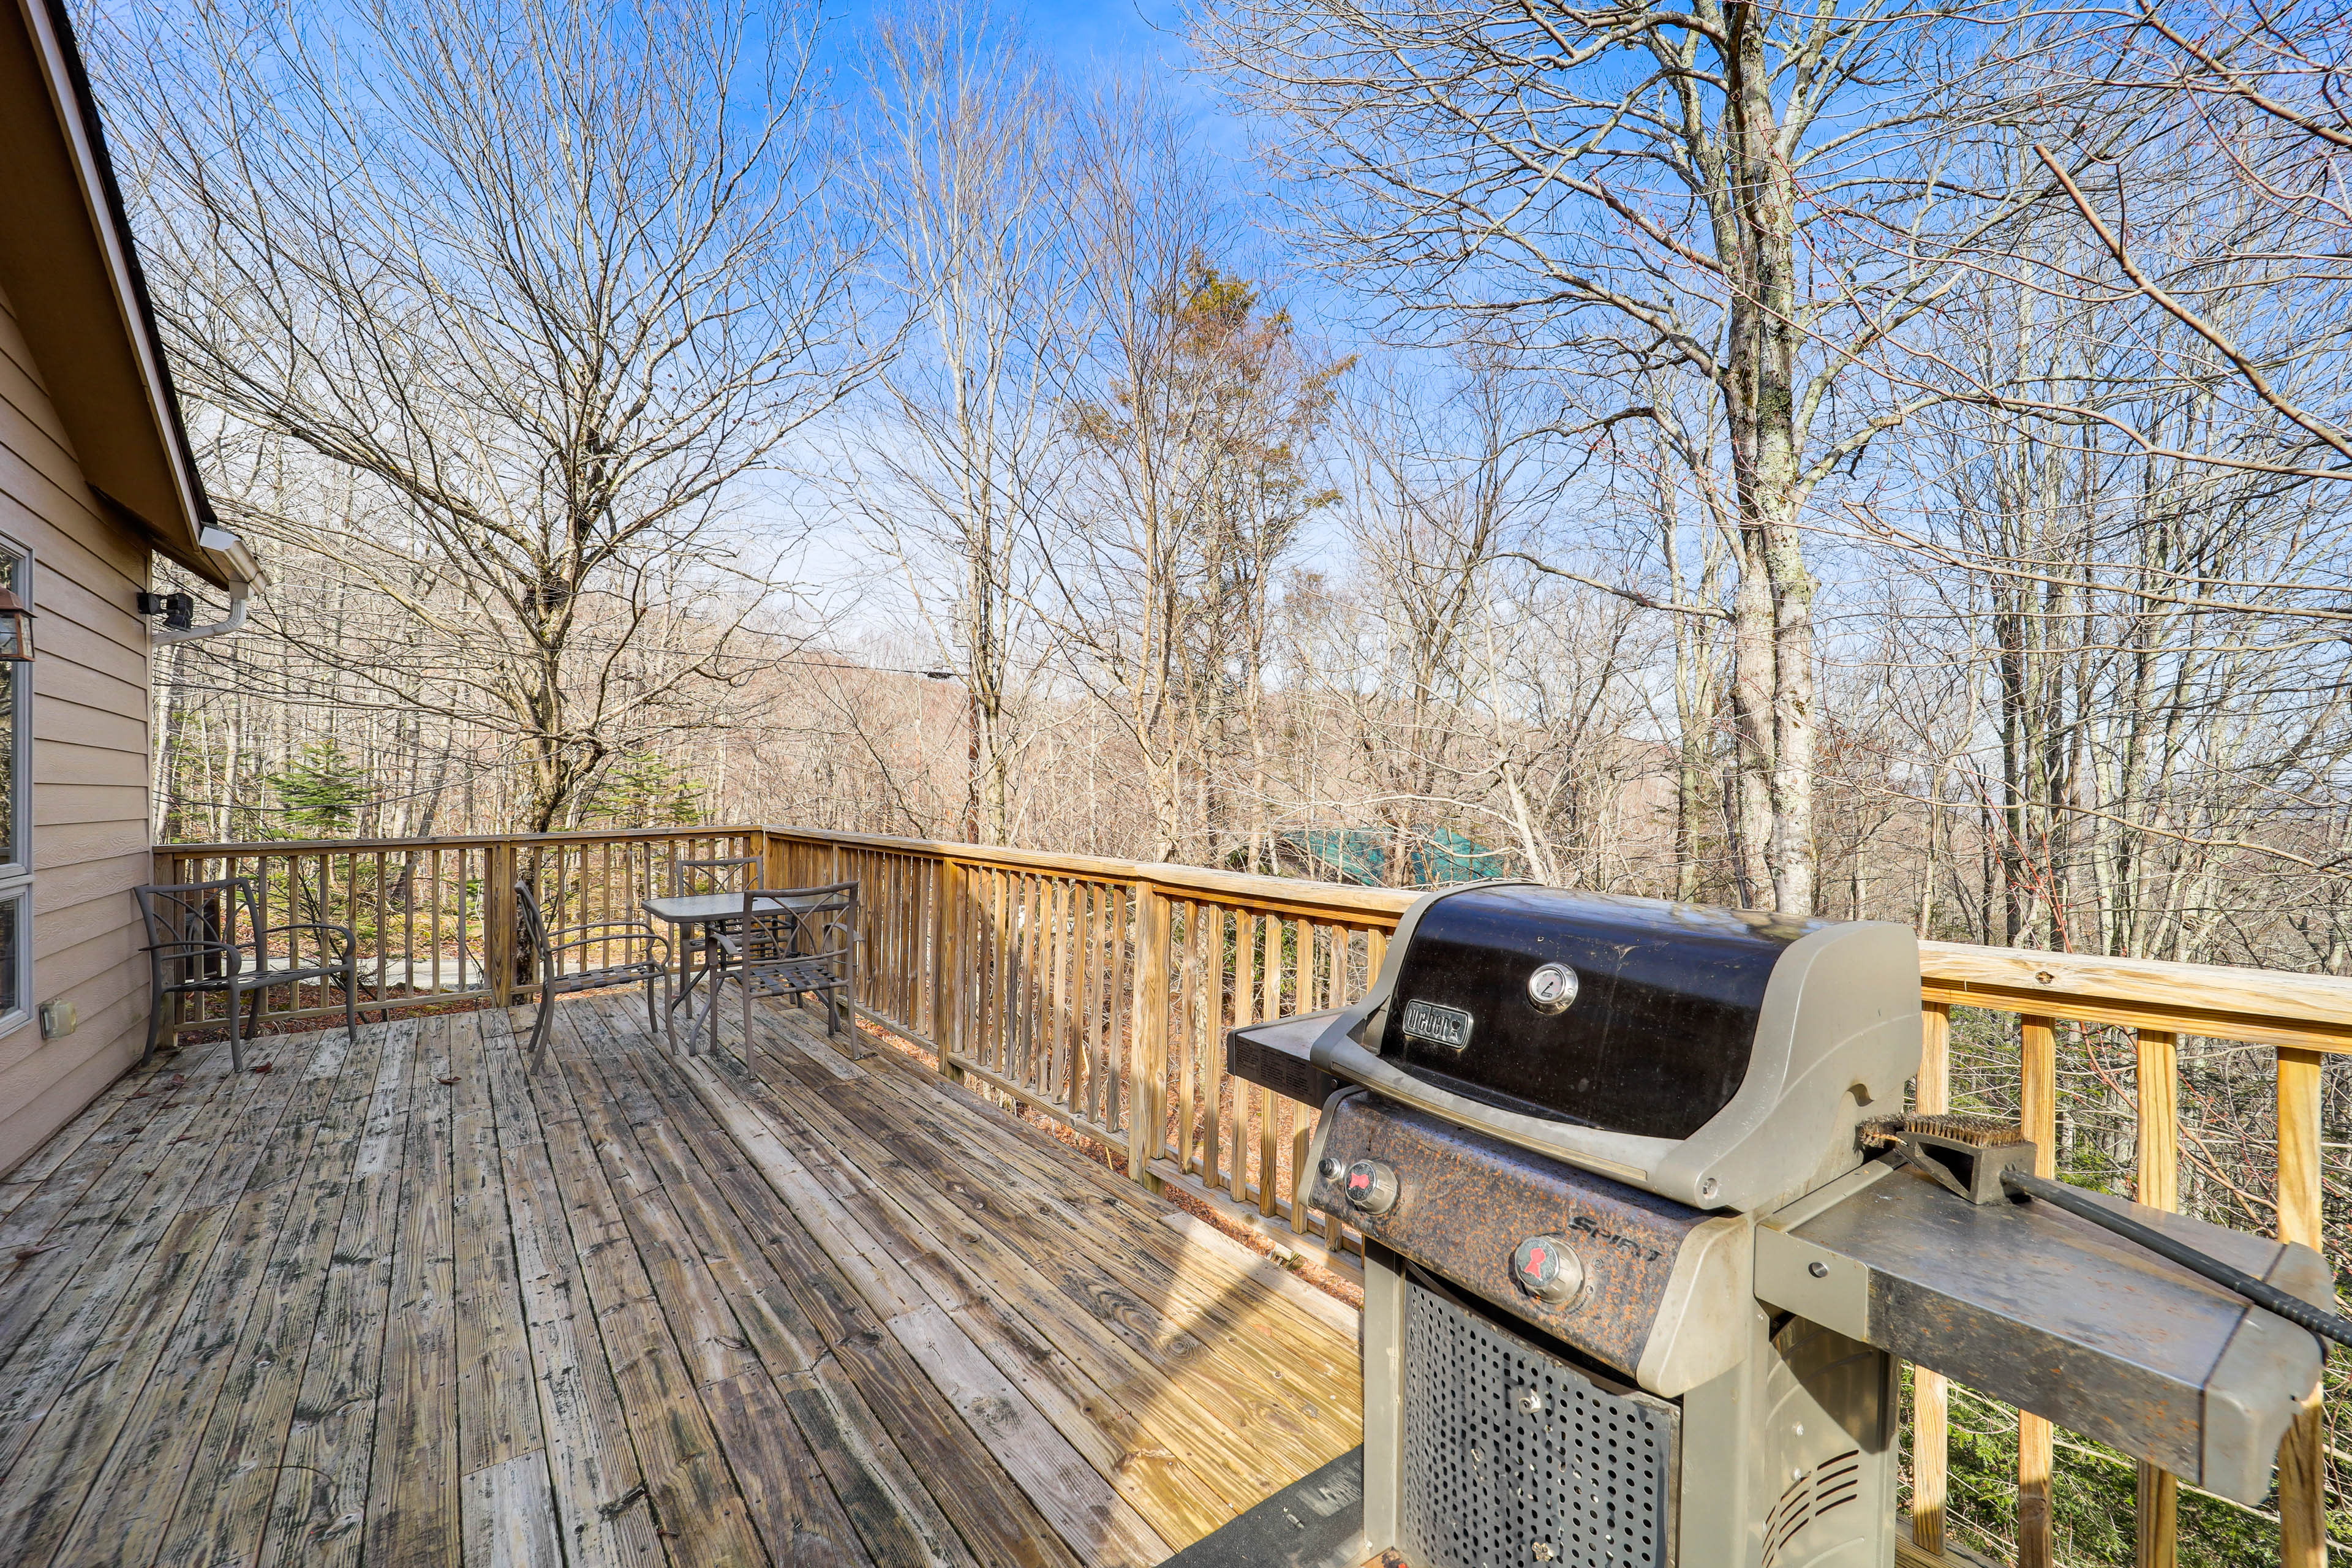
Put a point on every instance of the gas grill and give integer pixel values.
(1640, 1256)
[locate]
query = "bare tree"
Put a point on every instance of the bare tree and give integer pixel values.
(545, 283)
(2203, 154)
(1723, 192)
(968, 182)
(1190, 483)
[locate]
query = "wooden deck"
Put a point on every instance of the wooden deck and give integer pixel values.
(396, 1301)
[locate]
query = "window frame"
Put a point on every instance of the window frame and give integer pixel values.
(17, 871)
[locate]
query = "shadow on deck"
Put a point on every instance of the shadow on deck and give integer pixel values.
(395, 1299)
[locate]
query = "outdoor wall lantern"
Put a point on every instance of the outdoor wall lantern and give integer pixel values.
(15, 629)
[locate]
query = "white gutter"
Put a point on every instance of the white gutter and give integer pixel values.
(244, 573)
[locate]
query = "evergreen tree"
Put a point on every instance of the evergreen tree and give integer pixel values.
(320, 791)
(646, 790)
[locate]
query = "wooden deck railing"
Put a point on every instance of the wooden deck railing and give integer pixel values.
(1098, 991)
(434, 919)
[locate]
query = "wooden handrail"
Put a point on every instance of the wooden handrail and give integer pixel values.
(2261, 1006)
(452, 841)
(1097, 991)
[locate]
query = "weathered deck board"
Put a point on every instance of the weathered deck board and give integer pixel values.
(401, 1300)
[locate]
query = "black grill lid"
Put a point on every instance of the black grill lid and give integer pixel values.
(1656, 1040)
(1718, 1057)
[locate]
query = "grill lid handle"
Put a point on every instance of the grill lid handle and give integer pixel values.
(1622, 1155)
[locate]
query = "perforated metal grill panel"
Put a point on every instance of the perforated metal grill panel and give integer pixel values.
(1513, 1457)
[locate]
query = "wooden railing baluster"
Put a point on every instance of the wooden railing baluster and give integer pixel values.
(1930, 1397)
(2038, 1095)
(2302, 1483)
(1268, 1129)
(2155, 1075)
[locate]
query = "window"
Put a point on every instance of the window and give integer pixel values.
(16, 810)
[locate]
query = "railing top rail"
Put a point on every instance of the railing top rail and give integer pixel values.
(1339, 900)
(456, 841)
(2258, 1005)
(2262, 1006)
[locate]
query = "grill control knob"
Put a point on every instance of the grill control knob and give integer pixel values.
(1372, 1187)
(1545, 1268)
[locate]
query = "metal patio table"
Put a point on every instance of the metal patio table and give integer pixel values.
(707, 912)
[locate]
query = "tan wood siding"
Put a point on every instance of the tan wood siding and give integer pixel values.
(89, 726)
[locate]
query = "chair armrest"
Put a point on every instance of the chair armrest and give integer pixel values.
(605, 930)
(602, 932)
(195, 948)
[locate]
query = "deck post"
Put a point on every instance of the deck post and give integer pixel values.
(2156, 1523)
(2302, 1464)
(1147, 1084)
(2036, 1440)
(947, 985)
(1930, 1398)
(499, 920)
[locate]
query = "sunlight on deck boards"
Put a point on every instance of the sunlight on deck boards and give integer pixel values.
(397, 1300)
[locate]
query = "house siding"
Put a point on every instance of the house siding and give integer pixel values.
(90, 718)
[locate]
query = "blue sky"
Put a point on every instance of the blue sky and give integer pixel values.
(1141, 39)
(1124, 34)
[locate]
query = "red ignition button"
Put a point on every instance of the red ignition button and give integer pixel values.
(1545, 1268)
(1370, 1187)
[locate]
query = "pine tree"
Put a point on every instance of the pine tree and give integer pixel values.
(645, 790)
(321, 791)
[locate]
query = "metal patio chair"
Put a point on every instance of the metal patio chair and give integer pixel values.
(725, 874)
(790, 952)
(648, 961)
(194, 946)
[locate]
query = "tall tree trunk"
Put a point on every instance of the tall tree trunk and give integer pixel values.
(1755, 220)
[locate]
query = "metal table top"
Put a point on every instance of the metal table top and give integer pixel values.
(701, 909)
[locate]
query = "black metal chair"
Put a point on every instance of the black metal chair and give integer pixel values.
(649, 962)
(193, 947)
(792, 949)
(726, 874)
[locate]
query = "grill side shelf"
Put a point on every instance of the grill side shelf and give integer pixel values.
(2049, 1312)
(1276, 1055)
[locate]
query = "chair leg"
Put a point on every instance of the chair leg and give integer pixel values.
(235, 1040)
(709, 1014)
(653, 1016)
(746, 980)
(540, 1030)
(155, 1021)
(351, 1000)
